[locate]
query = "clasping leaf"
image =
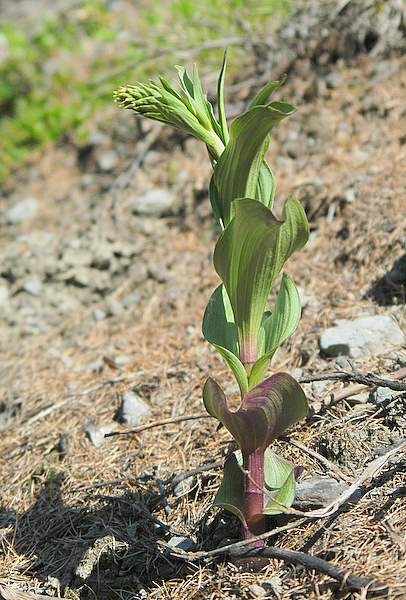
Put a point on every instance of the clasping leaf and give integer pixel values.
(265, 412)
(249, 256)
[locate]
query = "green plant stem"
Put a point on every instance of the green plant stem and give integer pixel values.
(254, 496)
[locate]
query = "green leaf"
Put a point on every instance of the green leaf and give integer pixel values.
(230, 494)
(194, 92)
(220, 101)
(279, 489)
(265, 411)
(277, 327)
(264, 94)
(214, 201)
(236, 172)
(280, 484)
(219, 330)
(266, 186)
(248, 257)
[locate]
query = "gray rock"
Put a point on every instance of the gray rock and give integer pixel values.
(349, 195)
(85, 277)
(113, 307)
(257, 591)
(132, 299)
(122, 360)
(102, 255)
(33, 287)
(95, 433)
(318, 491)
(98, 138)
(77, 257)
(21, 211)
(99, 314)
(138, 273)
(343, 363)
(182, 543)
(273, 585)
(154, 203)
(107, 161)
(382, 394)
(4, 293)
(86, 180)
(363, 337)
(160, 272)
(333, 80)
(306, 300)
(132, 408)
(183, 487)
(96, 366)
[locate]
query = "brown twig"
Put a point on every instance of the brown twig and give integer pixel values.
(368, 379)
(315, 563)
(153, 424)
(240, 549)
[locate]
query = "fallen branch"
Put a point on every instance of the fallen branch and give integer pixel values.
(295, 557)
(153, 424)
(240, 550)
(367, 379)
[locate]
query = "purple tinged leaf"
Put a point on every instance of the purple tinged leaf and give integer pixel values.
(265, 412)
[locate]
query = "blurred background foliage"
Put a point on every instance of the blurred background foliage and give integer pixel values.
(58, 71)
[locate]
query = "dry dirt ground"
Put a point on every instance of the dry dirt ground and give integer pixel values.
(86, 522)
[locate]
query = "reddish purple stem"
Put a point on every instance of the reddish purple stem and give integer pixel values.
(254, 496)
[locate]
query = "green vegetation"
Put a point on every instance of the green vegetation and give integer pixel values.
(249, 256)
(52, 81)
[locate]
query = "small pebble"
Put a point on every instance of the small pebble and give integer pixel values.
(95, 433)
(122, 360)
(256, 591)
(21, 211)
(132, 408)
(184, 487)
(98, 314)
(107, 160)
(33, 287)
(183, 543)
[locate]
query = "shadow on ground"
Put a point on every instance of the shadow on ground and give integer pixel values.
(391, 287)
(108, 550)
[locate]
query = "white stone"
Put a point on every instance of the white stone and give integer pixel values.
(154, 203)
(96, 433)
(107, 161)
(21, 211)
(133, 408)
(363, 337)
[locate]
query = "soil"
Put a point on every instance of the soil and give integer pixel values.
(116, 305)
